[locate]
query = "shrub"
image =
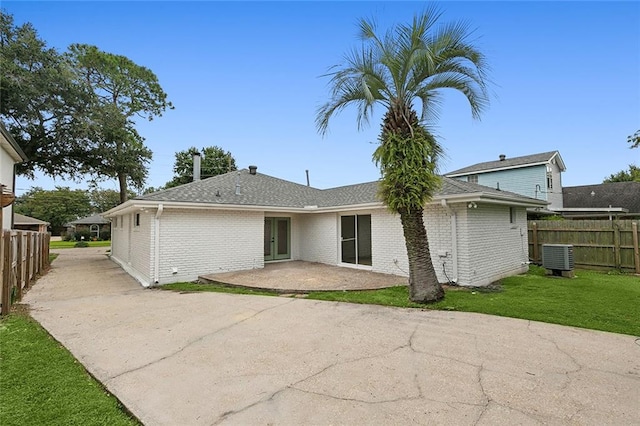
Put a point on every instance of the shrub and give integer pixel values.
(105, 235)
(79, 234)
(81, 244)
(68, 236)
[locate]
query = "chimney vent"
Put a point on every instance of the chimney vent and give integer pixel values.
(196, 166)
(502, 157)
(252, 170)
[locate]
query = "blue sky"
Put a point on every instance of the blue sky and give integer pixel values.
(247, 77)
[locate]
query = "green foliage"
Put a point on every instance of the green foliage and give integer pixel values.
(71, 244)
(105, 199)
(43, 105)
(632, 175)
(120, 90)
(105, 235)
(213, 161)
(57, 206)
(594, 300)
(81, 244)
(407, 64)
(82, 235)
(634, 139)
(42, 384)
(408, 167)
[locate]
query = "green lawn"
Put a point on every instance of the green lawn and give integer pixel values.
(71, 244)
(595, 300)
(42, 384)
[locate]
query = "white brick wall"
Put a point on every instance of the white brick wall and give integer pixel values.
(495, 248)
(318, 238)
(200, 242)
(207, 241)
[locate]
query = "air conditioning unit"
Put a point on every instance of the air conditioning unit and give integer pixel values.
(558, 257)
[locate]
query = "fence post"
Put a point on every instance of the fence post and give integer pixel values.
(636, 250)
(6, 272)
(29, 262)
(534, 240)
(616, 245)
(19, 264)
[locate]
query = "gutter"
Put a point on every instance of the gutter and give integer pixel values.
(156, 251)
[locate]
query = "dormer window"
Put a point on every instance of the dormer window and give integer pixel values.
(549, 180)
(472, 178)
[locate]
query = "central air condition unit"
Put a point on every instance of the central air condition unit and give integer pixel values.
(557, 257)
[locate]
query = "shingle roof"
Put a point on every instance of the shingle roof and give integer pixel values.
(264, 190)
(90, 220)
(508, 163)
(615, 194)
(20, 219)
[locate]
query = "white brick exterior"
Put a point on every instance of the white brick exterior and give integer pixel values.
(494, 247)
(195, 242)
(319, 238)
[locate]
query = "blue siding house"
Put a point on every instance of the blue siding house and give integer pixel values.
(536, 176)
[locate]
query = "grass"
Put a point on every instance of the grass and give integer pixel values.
(594, 300)
(71, 244)
(52, 257)
(43, 384)
(214, 287)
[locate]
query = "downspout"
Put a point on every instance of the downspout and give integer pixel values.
(156, 251)
(454, 240)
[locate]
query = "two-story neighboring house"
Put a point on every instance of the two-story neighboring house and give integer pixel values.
(536, 176)
(10, 154)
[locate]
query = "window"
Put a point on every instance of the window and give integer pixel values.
(512, 214)
(136, 221)
(472, 178)
(549, 180)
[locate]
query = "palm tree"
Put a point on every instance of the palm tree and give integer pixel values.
(406, 64)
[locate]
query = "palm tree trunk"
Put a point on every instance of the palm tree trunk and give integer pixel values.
(423, 283)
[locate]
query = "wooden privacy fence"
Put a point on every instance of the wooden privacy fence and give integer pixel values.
(596, 243)
(25, 255)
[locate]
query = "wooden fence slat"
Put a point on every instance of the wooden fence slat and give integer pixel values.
(603, 243)
(636, 249)
(23, 255)
(6, 272)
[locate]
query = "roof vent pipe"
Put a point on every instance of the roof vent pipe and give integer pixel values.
(502, 157)
(307, 172)
(252, 170)
(196, 166)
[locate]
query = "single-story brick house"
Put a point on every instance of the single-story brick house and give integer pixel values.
(240, 220)
(94, 224)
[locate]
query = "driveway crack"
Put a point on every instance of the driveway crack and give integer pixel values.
(199, 339)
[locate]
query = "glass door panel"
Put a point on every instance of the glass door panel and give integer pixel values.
(277, 239)
(268, 239)
(364, 239)
(348, 238)
(282, 238)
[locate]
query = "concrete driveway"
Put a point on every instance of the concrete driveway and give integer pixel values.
(208, 359)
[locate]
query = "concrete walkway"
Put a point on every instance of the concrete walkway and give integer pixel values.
(208, 359)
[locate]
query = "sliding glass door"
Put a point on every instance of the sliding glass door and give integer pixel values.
(355, 239)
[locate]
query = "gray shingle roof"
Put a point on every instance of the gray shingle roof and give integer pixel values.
(20, 219)
(508, 163)
(267, 191)
(90, 220)
(615, 194)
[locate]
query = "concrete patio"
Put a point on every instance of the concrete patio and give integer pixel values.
(302, 277)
